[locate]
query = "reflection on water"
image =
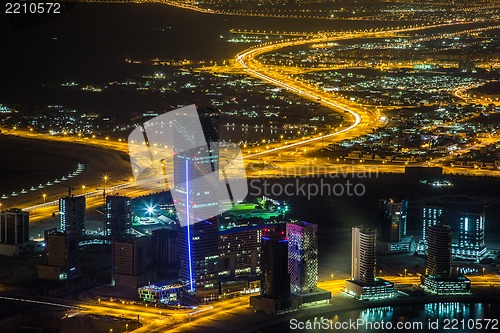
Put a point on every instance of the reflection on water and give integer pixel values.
(452, 310)
(432, 317)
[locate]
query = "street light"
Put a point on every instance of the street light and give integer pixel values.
(44, 197)
(405, 271)
(106, 177)
(83, 189)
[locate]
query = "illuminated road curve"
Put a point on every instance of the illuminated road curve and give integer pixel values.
(460, 93)
(246, 60)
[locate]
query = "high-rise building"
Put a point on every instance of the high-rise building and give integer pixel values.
(294, 249)
(466, 217)
(432, 214)
(275, 281)
(14, 227)
(363, 283)
(196, 156)
(303, 256)
(61, 251)
(132, 261)
(239, 251)
(72, 214)
(198, 246)
(14, 233)
(363, 258)
(439, 278)
(165, 248)
(394, 215)
(118, 215)
(439, 251)
(471, 244)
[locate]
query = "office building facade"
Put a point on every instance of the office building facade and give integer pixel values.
(363, 259)
(14, 233)
(431, 215)
(198, 246)
(275, 282)
(118, 215)
(394, 215)
(303, 256)
(165, 254)
(72, 214)
(363, 283)
(239, 251)
(439, 250)
(14, 227)
(196, 198)
(439, 278)
(132, 264)
(471, 243)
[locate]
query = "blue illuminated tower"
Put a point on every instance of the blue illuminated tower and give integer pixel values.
(198, 257)
(198, 240)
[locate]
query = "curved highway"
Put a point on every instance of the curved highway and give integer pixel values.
(363, 121)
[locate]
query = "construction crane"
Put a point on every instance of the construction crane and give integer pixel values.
(69, 188)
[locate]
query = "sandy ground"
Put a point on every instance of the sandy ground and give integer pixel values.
(33, 162)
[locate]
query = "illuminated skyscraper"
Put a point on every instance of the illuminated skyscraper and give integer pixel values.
(275, 281)
(394, 216)
(363, 258)
(200, 199)
(239, 250)
(439, 278)
(198, 240)
(303, 256)
(432, 214)
(294, 250)
(363, 283)
(439, 251)
(72, 214)
(118, 215)
(199, 258)
(471, 244)
(62, 252)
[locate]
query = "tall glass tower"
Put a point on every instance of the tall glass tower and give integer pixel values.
(72, 214)
(303, 256)
(197, 236)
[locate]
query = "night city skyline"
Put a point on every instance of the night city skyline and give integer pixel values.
(250, 166)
